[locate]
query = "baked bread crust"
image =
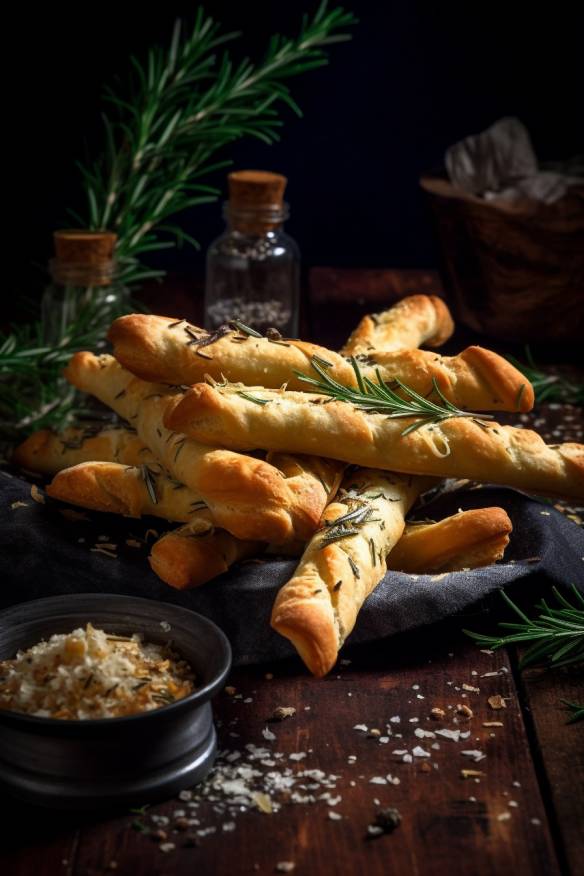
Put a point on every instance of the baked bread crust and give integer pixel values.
(318, 607)
(48, 452)
(184, 559)
(462, 447)
(249, 497)
(465, 540)
(133, 491)
(160, 349)
(412, 322)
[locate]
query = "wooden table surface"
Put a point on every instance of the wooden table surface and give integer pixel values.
(522, 812)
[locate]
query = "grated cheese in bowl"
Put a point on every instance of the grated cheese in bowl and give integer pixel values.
(91, 674)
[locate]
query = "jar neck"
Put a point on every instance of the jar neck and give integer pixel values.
(66, 273)
(257, 219)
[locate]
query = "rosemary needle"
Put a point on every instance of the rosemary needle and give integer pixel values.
(379, 398)
(555, 636)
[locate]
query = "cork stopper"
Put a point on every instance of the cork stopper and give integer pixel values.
(256, 200)
(84, 247)
(84, 257)
(249, 189)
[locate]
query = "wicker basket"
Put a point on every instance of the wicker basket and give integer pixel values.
(515, 272)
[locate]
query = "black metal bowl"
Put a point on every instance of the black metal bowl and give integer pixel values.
(110, 761)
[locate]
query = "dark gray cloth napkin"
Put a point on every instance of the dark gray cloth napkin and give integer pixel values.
(44, 553)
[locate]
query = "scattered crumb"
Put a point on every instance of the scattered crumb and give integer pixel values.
(283, 712)
(464, 710)
(37, 495)
(471, 774)
(133, 543)
(497, 702)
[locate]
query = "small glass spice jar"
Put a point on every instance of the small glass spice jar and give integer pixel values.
(253, 269)
(84, 290)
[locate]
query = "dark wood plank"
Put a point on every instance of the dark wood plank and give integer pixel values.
(450, 824)
(561, 754)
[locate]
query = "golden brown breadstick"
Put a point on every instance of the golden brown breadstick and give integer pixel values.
(466, 447)
(48, 452)
(410, 323)
(249, 497)
(161, 349)
(463, 541)
(342, 564)
(184, 558)
(130, 490)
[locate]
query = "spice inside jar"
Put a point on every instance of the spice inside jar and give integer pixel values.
(89, 674)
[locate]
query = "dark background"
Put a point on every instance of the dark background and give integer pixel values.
(415, 78)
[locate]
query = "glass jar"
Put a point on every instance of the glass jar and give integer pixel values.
(253, 269)
(84, 291)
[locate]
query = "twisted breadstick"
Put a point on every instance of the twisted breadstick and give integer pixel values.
(161, 349)
(130, 490)
(48, 452)
(410, 323)
(226, 415)
(184, 559)
(465, 540)
(342, 564)
(249, 497)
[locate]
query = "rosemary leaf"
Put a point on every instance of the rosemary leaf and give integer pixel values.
(381, 398)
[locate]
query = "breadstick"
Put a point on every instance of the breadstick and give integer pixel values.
(130, 490)
(463, 541)
(410, 323)
(247, 496)
(226, 415)
(158, 348)
(48, 452)
(184, 559)
(342, 564)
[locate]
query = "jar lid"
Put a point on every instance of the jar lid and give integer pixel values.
(252, 189)
(84, 247)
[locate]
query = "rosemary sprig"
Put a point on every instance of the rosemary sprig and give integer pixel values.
(347, 524)
(380, 398)
(184, 104)
(549, 387)
(577, 710)
(556, 634)
(33, 394)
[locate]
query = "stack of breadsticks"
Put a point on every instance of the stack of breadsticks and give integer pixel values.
(223, 438)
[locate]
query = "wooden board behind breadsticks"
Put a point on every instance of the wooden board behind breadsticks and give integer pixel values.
(464, 541)
(412, 322)
(247, 496)
(162, 349)
(343, 562)
(465, 447)
(48, 452)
